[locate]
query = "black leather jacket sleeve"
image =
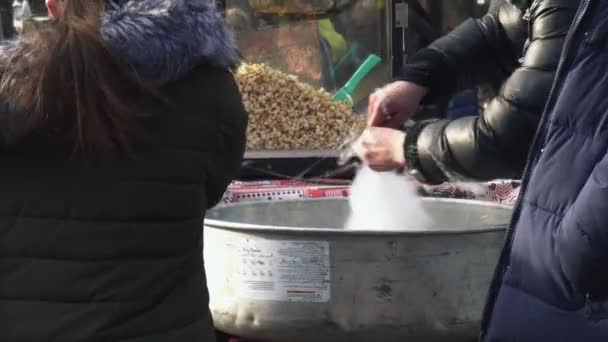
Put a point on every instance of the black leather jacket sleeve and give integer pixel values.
(495, 144)
(478, 51)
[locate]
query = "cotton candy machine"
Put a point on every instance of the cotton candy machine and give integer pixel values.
(288, 272)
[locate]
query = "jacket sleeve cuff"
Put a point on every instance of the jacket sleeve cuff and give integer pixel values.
(419, 160)
(428, 68)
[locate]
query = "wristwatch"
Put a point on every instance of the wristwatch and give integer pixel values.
(410, 148)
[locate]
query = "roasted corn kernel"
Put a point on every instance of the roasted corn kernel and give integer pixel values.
(285, 114)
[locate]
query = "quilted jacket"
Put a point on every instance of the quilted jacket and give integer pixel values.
(551, 283)
(517, 47)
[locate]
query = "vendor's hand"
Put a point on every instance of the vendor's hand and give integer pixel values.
(381, 148)
(394, 104)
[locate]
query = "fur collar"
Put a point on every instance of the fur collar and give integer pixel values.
(162, 39)
(165, 39)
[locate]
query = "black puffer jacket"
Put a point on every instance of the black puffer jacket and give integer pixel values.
(111, 251)
(494, 144)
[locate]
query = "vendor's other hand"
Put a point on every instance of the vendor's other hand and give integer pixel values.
(394, 104)
(381, 148)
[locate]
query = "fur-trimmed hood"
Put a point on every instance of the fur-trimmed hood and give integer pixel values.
(162, 39)
(165, 39)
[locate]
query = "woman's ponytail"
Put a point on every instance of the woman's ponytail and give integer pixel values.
(73, 86)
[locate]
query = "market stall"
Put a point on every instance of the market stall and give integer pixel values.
(298, 55)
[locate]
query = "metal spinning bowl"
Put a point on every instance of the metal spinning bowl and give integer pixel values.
(345, 285)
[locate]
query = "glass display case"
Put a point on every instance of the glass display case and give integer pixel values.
(322, 43)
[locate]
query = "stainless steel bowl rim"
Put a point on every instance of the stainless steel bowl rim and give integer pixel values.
(257, 228)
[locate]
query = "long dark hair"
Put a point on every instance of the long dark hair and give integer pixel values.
(72, 87)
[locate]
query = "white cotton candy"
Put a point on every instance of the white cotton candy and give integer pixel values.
(385, 201)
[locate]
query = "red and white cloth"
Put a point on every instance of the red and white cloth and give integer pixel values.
(503, 191)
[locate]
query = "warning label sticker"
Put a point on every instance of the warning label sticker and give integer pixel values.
(283, 270)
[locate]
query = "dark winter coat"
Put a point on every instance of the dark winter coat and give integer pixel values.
(112, 251)
(494, 144)
(552, 280)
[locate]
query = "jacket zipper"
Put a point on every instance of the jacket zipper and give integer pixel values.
(532, 155)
